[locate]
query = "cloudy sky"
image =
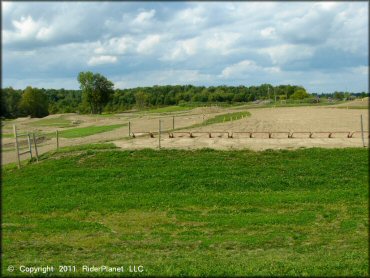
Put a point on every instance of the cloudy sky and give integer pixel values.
(322, 46)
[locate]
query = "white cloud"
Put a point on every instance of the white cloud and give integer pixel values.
(25, 28)
(206, 39)
(363, 70)
(146, 45)
(6, 7)
(100, 60)
(182, 50)
(194, 16)
(268, 32)
(246, 67)
(272, 69)
(313, 27)
(223, 41)
(45, 33)
(144, 17)
(286, 53)
(239, 68)
(116, 45)
(326, 5)
(348, 30)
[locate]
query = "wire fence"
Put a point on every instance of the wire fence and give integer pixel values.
(27, 143)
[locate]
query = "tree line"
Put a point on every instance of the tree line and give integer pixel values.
(97, 95)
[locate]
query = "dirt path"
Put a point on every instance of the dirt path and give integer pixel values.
(292, 119)
(223, 143)
(289, 119)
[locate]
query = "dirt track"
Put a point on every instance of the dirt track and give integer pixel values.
(294, 119)
(256, 144)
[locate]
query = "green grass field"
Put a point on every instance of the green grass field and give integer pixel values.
(55, 122)
(226, 117)
(169, 109)
(87, 131)
(223, 118)
(7, 135)
(190, 213)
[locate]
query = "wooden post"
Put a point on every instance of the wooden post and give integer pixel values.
(159, 134)
(362, 132)
(129, 129)
(29, 144)
(173, 122)
(35, 145)
(57, 134)
(16, 146)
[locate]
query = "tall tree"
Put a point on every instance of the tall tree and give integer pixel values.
(96, 89)
(10, 100)
(141, 99)
(34, 102)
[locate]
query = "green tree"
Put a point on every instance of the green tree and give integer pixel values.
(299, 94)
(96, 89)
(10, 100)
(34, 102)
(141, 99)
(339, 95)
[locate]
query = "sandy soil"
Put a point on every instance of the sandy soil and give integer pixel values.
(295, 119)
(224, 143)
(298, 119)
(364, 102)
(292, 119)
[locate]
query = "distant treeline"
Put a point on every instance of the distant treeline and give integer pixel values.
(41, 102)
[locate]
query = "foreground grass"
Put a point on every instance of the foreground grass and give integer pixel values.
(206, 212)
(87, 131)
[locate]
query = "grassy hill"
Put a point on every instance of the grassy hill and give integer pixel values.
(203, 212)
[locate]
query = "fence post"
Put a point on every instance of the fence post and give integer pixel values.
(35, 145)
(159, 134)
(57, 134)
(29, 144)
(173, 122)
(362, 132)
(16, 146)
(129, 129)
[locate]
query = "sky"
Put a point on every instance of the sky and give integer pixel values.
(322, 46)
